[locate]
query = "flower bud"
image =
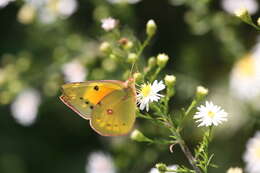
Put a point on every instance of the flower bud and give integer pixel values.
(125, 43)
(26, 14)
(162, 60)
(151, 28)
(132, 57)
(138, 77)
(258, 21)
(112, 56)
(235, 170)
(151, 62)
(243, 14)
(201, 92)
(138, 136)
(161, 167)
(128, 45)
(105, 47)
(170, 80)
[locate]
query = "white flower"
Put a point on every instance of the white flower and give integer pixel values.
(108, 23)
(172, 167)
(4, 3)
(123, 1)
(210, 115)
(245, 78)
(232, 5)
(149, 93)
(66, 7)
(235, 170)
(252, 154)
(25, 107)
(26, 14)
(74, 72)
(50, 10)
(99, 162)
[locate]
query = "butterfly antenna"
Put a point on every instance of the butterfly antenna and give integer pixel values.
(131, 71)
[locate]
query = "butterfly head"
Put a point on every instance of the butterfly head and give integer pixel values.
(130, 82)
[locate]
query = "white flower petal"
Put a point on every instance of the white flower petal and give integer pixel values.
(210, 114)
(149, 93)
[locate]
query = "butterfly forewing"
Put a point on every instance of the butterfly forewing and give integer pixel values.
(83, 96)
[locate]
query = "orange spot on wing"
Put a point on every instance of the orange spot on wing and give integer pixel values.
(96, 96)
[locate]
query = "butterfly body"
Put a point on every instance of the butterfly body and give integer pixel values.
(108, 104)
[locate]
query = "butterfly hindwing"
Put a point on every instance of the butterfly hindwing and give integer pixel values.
(114, 115)
(83, 96)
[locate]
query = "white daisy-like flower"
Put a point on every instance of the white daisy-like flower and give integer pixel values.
(210, 114)
(25, 107)
(245, 78)
(4, 3)
(99, 162)
(74, 71)
(66, 7)
(235, 170)
(252, 154)
(172, 167)
(149, 93)
(109, 23)
(231, 6)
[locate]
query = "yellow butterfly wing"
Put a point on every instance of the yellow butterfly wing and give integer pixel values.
(115, 113)
(82, 97)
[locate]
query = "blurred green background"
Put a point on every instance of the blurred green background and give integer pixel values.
(43, 46)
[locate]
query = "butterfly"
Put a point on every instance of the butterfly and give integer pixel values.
(109, 105)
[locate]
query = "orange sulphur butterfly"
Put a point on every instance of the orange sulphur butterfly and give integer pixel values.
(109, 105)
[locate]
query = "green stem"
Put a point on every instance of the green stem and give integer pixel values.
(253, 25)
(188, 112)
(145, 43)
(155, 74)
(190, 108)
(185, 149)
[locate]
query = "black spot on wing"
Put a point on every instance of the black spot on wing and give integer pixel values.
(96, 88)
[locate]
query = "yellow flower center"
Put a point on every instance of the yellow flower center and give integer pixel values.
(146, 90)
(257, 150)
(211, 114)
(246, 66)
